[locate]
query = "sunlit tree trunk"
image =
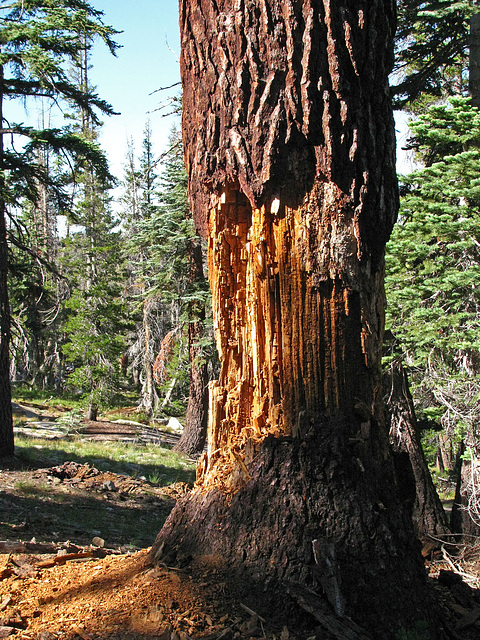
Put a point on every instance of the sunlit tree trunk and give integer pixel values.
(290, 151)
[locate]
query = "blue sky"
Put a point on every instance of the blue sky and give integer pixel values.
(143, 64)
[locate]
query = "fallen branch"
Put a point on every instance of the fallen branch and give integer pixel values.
(7, 546)
(341, 628)
(251, 612)
(65, 558)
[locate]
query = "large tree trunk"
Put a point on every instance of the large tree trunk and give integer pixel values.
(290, 151)
(428, 516)
(474, 60)
(194, 434)
(6, 419)
(465, 517)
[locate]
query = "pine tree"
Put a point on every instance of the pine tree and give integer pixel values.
(95, 330)
(432, 49)
(37, 39)
(164, 231)
(168, 281)
(139, 201)
(96, 312)
(433, 267)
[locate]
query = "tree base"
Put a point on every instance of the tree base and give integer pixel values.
(313, 530)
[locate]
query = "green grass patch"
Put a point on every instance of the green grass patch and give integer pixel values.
(30, 488)
(157, 464)
(24, 393)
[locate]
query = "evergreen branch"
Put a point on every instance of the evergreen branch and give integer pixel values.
(65, 90)
(35, 255)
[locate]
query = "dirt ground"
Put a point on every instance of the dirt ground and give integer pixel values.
(117, 597)
(59, 582)
(75, 501)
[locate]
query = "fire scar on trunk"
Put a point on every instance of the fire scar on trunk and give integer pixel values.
(286, 315)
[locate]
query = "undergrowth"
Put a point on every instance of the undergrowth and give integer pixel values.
(156, 464)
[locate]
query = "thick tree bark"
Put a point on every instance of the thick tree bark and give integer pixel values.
(445, 453)
(290, 150)
(474, 60)
(465, 518)
(194, 434)
(6, 419)
(428, 516)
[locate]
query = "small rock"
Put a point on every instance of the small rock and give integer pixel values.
(109, 485)
(6, 631)
(98, 542)
(174, 424)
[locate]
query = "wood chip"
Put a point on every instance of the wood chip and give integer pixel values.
(23, 569)
(81, 632)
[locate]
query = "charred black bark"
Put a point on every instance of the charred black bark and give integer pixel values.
(302, 525)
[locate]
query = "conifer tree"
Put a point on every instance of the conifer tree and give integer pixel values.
(139, 202)
(37, 40)
(432, 49)
(433, 268)
(97, 317)
(164, 231)
(168, 279)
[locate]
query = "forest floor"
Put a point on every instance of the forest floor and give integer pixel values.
(74, 565)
